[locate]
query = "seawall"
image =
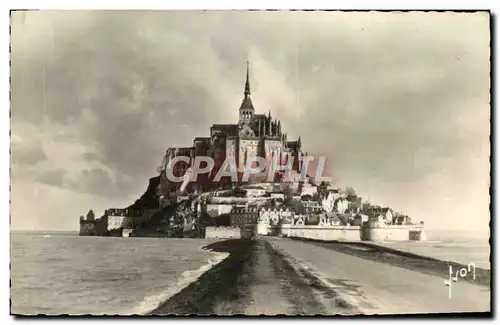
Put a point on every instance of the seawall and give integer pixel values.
(393, 233)
(215, 210)
(347, 233)
(355, 233)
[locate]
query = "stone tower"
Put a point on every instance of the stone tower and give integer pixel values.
(246, 109)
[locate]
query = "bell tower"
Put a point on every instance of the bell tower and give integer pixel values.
(246, 109)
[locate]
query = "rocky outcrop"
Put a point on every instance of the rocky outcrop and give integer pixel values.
(148, 200)
(176, 220)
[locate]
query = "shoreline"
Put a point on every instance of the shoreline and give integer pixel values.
(242, 284)
(200, 296)
(400, 258)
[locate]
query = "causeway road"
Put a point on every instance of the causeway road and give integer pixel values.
(280, 276)
(377, 286)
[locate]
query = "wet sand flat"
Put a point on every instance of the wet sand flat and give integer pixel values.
(253, 280)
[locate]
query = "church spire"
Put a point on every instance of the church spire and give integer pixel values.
(246, 108)
(247, 83)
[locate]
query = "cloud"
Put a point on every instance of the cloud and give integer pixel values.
(37, 206)
(25, 153)
(52, 177)
(398, 102)
(90, 156)
(98, 181)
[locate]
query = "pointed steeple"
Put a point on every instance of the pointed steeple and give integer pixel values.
(247, 83)
(246, 108)
(269, 122)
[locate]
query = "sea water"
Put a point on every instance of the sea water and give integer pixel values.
(63, 273)
(67, 274)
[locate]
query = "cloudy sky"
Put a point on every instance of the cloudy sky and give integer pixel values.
(399, 103)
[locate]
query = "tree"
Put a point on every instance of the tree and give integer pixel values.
(349, 191)
(278, 177)
(366, 207)
(288, 201)
(323, 190)
(237, 192)
(306, 197)
(286, 189)
(205, 220)
(300, 187)
(299, 207)
(343, 219)
(223, 220)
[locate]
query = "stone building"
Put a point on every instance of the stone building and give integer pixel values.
(274, 216)
(245, 217)
(253, 135)
(92, 226)
(279, 196)
(312, 207)
(270, 219)
(253, 191)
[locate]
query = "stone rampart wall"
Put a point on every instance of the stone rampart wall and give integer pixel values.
(222, 232)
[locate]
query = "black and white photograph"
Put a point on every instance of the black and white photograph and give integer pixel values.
(250, 162)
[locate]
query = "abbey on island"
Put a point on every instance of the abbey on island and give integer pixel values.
(238, 208)
(255, 135)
